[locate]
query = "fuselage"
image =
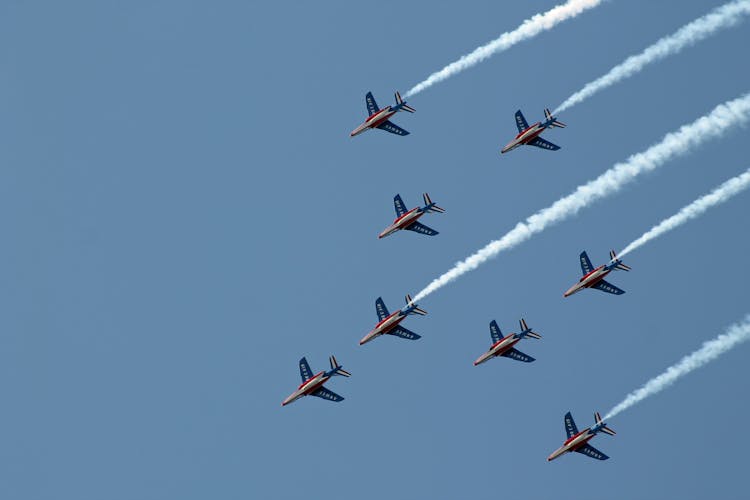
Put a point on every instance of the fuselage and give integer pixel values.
(308, 387)
(589, 280)
(374, 120)
(402, 222)
(525, 136)
(384, 326)
(573, 443)
(498, 348)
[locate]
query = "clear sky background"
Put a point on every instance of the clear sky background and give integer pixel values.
(185, 216)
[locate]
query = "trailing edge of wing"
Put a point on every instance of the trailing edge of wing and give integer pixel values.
(541, 143)
(570, 425)
(521, 122)
(518, 355)
(391, 127)
(421, 228)
(399, 205)
(402, 332)
(605, 286)
(592, 452)
(372, 106)
(381, 309)
(304, 370)
(327, 394)
(586, 266)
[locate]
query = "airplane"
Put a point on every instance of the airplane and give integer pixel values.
(312, 385)
(593, 278)
(530, 135)
(407, 219)
(578, 441)
(389, 322)
(503, 346)
(379, 117)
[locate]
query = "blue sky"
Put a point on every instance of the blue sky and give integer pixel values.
(185, 216)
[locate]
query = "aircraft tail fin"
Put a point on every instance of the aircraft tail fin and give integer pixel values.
(430, 206)
(555, 122)
(402, 103)
(618, 263)
(336, 367)
(602, 426)
(415, 309)
(529, 333)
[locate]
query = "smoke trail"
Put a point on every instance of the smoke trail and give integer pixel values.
(719, 195)
(714, 124)
(528, 29)
(712, 349)
(722, 17)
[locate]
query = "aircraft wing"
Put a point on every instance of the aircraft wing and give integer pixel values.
(326, 394)
(521, 122)
(304, 370)
(381, 309)
(402, 332)
(389, 126)
(586, 266)
(421, 228)
(518, 355)
(608, 287)
(541, 143)
(570, 425)
(495, 332)
(592, 452)
(398, 203)
(372, 106)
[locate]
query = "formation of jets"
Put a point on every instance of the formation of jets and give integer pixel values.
(502, 346)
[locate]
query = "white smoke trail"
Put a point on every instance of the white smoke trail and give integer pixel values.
(719, 195)
(712, 125)
(712, 349)
(722, 17)
(528, 29)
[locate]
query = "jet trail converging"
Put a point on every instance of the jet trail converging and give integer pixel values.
(726, 16)
(719, 195)
(528, 29)
(712, 349)
(712, 125)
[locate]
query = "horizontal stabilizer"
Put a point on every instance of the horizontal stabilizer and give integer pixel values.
(336, 367)
(618, 263)
(415, 309)
(602, 426)
(404, 106)
(430, 206)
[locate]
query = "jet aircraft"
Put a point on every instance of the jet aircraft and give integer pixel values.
(379, 117)
(503, 346)
(593, 278)
(578, 441)
(389, 322)
(312, 385)
(407, 219)
(530, 135)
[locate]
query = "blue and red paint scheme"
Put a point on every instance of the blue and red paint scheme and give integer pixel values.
(503, 346)
(407, 219)
(578, 441)
(378, 118)
(312, 384)
(529, 135)
(389, 323)
(594, 278)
